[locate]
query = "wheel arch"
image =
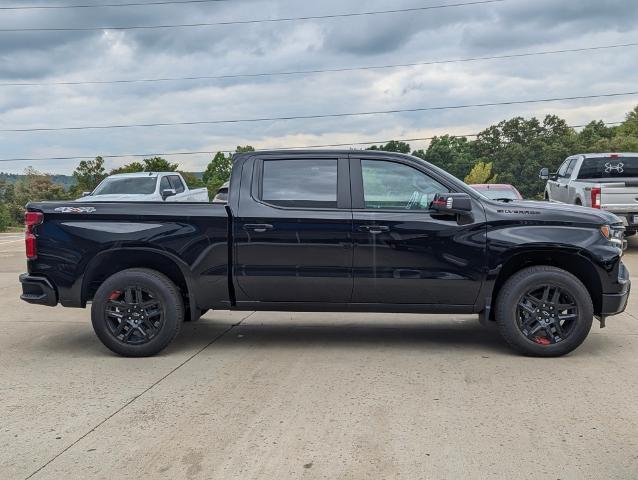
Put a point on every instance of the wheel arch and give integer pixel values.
(109, 262)
(570, 260)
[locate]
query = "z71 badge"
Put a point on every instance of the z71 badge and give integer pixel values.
(75, 209)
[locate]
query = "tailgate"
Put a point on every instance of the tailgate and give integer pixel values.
(620, 196)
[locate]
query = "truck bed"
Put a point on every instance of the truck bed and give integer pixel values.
(76, 244)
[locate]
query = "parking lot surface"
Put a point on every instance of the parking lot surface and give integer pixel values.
(268, 395)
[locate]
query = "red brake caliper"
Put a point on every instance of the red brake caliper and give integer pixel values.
(115, 294)
(542, 341)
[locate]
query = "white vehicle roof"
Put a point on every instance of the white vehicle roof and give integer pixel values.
(607, 155)
(137, 174)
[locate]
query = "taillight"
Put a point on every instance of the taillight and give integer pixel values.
(595, 198)
(31, 219)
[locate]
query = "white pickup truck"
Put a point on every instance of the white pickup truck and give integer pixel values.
(608, 181)
(145, 187)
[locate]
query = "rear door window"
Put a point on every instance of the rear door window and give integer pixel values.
(308, 183)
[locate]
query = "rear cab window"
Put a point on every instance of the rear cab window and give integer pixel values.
(609, 167)
(310, 183)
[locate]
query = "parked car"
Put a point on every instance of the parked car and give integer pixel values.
(365, 231)
(222, 194)
(145, 187)
(498, 191)
(607, 181)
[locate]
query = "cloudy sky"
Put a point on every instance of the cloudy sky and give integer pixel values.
(507, 27)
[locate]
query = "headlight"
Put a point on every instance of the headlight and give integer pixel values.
(614, 233)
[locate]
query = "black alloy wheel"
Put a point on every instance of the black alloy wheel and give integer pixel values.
(547, 314)
(134, 315)
(544, 311)
(137, 312)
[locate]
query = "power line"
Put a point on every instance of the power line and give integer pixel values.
(103, 5)
(318, 71)
(317, 116)
(299, 147)
(245, 22)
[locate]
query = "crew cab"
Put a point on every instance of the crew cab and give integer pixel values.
(608, 181)
(145, 187)
(347, 231)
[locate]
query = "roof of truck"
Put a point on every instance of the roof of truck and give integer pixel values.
(607, 155)
(140, 174)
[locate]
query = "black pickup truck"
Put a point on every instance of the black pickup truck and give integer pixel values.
(362, 231)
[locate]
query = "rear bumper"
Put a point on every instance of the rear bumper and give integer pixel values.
(38, 290)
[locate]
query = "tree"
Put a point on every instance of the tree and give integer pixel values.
(481, 173)
(159, 164)
(133, 167)
(153, 164)
(89, 174)
(630, 125)
(519, 148)
(191, 179)
(218, 170)
(453, 154)
(392, 146)
(35, 186)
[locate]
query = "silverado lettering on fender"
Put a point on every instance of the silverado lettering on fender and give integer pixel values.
(362, 231)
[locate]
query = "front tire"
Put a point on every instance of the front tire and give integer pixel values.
(137, 312)
(544, 311)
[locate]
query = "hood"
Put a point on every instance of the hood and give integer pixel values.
(128, 197)
(560, 211)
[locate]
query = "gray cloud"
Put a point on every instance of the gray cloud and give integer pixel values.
(512, 26)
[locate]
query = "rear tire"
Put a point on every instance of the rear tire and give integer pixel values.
(137, 312)
(544, 311)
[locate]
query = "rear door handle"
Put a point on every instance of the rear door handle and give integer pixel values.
(258, 227)
(374, 229)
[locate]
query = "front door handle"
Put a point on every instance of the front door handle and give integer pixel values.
(258, 227)
(374, 229)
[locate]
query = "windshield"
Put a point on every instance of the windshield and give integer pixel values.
(607, 167)
(127, 185)
(499, 193)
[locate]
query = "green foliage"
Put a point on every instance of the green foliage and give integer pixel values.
(392, 146)
(481, 173)
(192, 180)
(34, 186)
(154, 164)
(132, 167)
(5, 217)
(89, 174)
(453, 154)
(519, 148)
(218, 170)
(159, 164)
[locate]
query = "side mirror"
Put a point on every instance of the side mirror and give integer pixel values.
(168, 192)
(544, 174)
(86, 194)
(452, 203)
